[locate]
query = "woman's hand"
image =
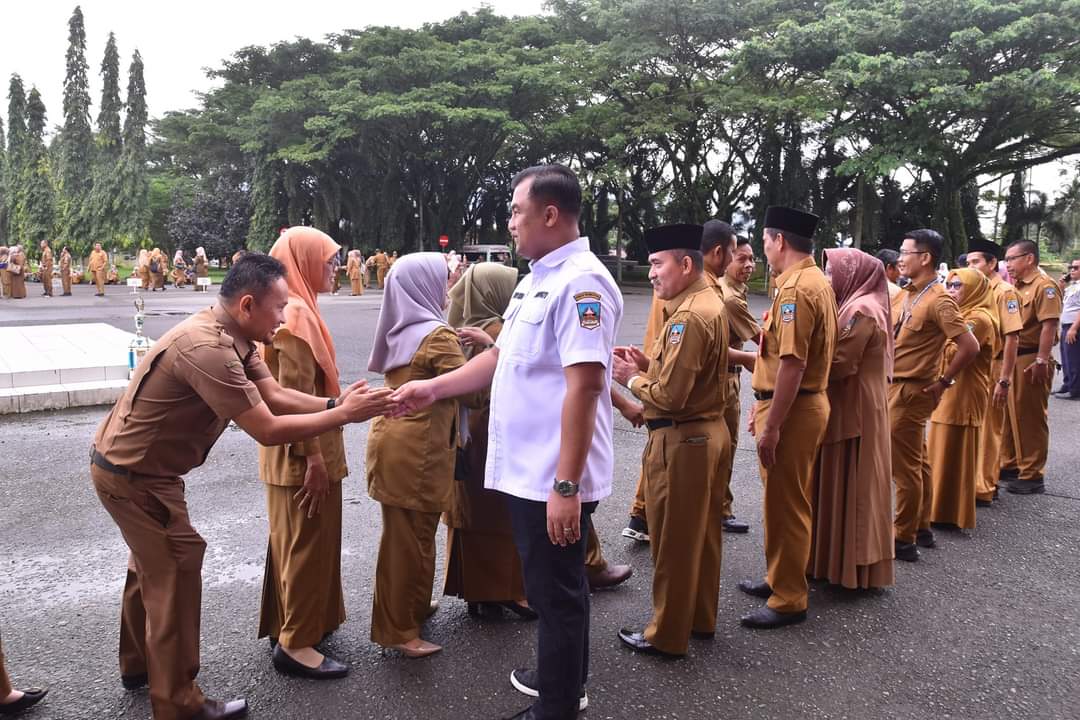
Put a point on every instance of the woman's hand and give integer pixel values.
(475, 337)
(316, 486)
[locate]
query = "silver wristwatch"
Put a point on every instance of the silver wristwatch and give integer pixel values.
(566, 488)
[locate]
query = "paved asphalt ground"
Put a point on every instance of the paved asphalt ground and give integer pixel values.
(985, 626)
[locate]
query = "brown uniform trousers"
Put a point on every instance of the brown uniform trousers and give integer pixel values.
(682, 465)
(1026, 436)
(167, 554)
(990, 444)
(5, 681)
(801, 323)
(732, 414)
(909, 411)
(97, 267)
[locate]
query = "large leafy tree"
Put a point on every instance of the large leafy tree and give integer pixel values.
(15, 155)
(133, 193)
(76, 143)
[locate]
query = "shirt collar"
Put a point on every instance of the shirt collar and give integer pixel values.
(1030, 279)
(806, 262)
(243, 346)
(558, 256)
(914, 287)
(670, 306)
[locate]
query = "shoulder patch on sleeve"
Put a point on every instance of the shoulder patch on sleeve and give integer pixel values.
(675, 334)
(1012, 306)
(787, 312)
(1051, 292)
(588, 309)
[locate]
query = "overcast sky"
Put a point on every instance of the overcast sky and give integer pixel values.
(178, 39)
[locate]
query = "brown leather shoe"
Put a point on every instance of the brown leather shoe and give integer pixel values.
(222, 710)
(609, 577)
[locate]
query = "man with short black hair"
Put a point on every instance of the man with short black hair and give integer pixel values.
(689, 448)
(791, 374)
(925, 316)
(889, 258)
(550, 437)
(1026, 436)
(983, 255)
(198, 376)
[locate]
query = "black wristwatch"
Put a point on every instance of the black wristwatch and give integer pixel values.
(1004, 383)
(331, 403)
(566, 488)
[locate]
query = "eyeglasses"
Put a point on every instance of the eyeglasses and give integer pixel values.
(1017, 257)
(1074, 267)
(914, 252)
(955, 284)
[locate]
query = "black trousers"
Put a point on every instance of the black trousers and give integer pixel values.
(1070, 363)
(558, 590)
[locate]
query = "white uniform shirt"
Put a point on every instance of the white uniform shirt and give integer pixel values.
(566, 312)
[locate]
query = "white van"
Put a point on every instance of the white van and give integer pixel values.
(488, 253)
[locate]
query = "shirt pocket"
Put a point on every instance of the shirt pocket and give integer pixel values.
(530, 330)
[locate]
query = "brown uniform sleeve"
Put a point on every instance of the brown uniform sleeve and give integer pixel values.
(794, 324)
(1009, 312)
(297, 370)
(681, 361)
(946, 315)
(442, 353)
(255, 368)
(1047, 302)
(850, 347)
(742, 323)
(653, 326)
(217, 376)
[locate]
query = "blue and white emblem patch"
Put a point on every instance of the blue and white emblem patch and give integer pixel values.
(787, 312)
(588, 310)
(1050, 292)
(676, 333)
(1013, 307)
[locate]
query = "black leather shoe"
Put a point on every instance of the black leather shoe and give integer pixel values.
(766, 618)
(925, 538)
(609, 577)
(1026, 487)
(330, 669)
(222, 710)
(30, 697)
(757, 589)
(526, 714)
(732, 524)
(983, 503)
(906, 551)
(637, 642)
(134, 682)
(522, 611)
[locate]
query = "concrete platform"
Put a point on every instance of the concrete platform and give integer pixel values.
(51, 367)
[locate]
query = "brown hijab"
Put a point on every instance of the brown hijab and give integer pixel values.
(858, 279)
(304, 251)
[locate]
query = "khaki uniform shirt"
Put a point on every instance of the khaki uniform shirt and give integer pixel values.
(800, 324)
(98, 260)
(293, 364)
(352, 268)
(65, 262)
(1007, 303)
(410, 460)
(965, 402)
(928, 321)
(740, 320)
(196, 378)
(684, 380)
(1040, 299)
(47, 257)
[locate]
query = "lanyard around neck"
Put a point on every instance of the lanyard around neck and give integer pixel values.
(909, 307)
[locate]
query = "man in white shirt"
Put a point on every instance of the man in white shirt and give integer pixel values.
(550, 434)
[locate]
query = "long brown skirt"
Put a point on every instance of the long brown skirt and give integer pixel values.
(483, 567)
(302, 599)
(849, 548)
(954, 466)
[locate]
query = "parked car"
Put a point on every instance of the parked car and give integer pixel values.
(488, 253)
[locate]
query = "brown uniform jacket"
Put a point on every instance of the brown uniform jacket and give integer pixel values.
(293, 364)
(800, 324)
(965, 402)
(740, 320)
(352, 268)
(98, 260)
(858, 386)
(195, 379)
(65, 261)
(1007, 303)
(1040, 300)
(46, 258)
(925, 322)
(410, 460)
(201, 267)
(687, 363)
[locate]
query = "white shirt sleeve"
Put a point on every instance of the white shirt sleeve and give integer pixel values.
(585, 319)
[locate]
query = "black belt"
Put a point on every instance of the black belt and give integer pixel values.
(1027, 351)
(768, 394)
(99, 460)
(660, 423)
(734, 369)
(914, 380)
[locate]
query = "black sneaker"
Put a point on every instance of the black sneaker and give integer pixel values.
(1026, 487)
(906, 551)
(636, 529)
(925, 538)
(733, 525)
(525, 682)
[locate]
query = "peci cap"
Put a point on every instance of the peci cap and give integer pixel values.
(673, 237)
(986, 246)
(791, 220)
